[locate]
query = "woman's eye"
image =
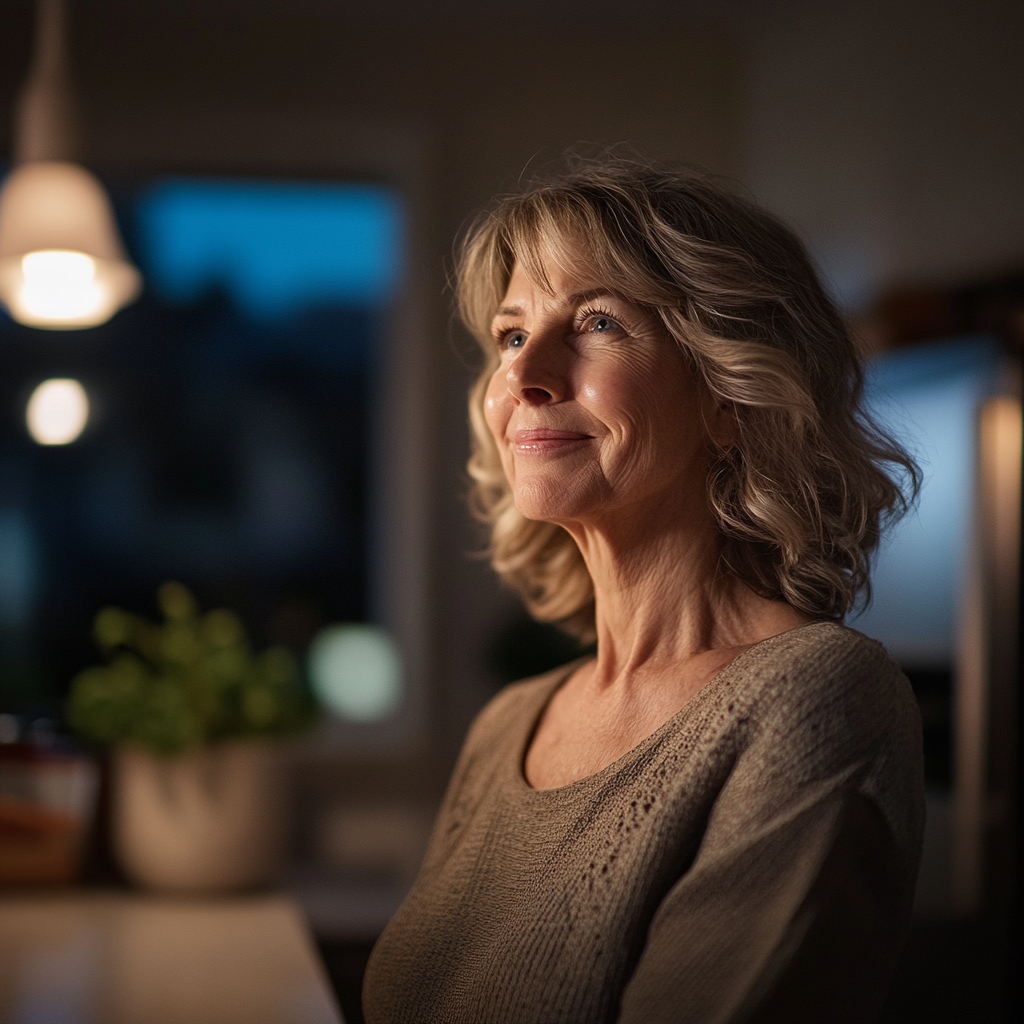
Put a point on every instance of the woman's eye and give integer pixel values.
(602, 325)
(513, 339)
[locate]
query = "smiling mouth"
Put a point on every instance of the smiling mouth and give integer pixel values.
(543, 439)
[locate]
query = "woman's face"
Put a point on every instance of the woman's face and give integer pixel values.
(594, 408)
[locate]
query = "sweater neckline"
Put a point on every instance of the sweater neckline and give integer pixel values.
(695, 702)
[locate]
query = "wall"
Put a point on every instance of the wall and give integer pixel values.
(891, 134)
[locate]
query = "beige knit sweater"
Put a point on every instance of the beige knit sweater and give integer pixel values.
(752, 860)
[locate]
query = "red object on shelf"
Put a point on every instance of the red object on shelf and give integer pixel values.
(46, 802)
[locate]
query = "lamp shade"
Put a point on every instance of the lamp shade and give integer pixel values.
(62, 264)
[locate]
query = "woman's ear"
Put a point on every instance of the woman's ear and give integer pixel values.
(722, 423)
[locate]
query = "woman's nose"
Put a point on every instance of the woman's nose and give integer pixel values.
(537, 376)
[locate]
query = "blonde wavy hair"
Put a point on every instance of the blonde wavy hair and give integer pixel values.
(803, 493)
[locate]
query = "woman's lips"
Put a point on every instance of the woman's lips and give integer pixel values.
(545, 439)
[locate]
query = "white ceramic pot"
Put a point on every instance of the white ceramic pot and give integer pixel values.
(209, 820)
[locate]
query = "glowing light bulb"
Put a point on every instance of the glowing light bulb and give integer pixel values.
(57, 411)
(60, 285)
(62, 265)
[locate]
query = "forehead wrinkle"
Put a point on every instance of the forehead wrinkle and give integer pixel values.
(578, 298)
(571, 301)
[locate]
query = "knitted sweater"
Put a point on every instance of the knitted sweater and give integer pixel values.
(752, 860)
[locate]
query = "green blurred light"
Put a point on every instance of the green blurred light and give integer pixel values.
(356, 671)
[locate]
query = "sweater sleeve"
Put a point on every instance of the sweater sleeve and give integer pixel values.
(797, 903)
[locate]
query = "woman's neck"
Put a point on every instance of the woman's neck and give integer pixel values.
(661, 597)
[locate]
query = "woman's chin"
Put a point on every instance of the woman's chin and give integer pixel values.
(550, 503)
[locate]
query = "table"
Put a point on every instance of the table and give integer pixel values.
(125, 958)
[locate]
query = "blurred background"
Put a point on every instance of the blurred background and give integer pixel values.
(278, 421)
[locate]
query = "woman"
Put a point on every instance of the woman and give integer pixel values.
(718, 818)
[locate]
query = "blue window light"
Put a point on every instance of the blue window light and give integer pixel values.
(274, 247)
(928, 398)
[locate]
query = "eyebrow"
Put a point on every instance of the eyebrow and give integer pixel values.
(576, 299)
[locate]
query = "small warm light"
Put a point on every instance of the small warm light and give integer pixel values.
(60, 285)
(57, 411)
(356, 671)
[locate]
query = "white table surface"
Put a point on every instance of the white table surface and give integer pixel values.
(123, 958)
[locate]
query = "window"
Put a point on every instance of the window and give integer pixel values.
(928, 397)
(229, 432)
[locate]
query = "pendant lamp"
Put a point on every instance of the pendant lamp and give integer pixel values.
(62, 264)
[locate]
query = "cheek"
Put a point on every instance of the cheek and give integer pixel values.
(497, 407)
(653, 407)
(622, 394)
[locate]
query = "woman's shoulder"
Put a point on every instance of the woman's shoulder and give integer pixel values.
(519, 702)
(824, 702)
(827, 689)
(822, 657)
(499, 732)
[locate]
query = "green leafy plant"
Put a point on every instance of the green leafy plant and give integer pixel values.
(189, 681)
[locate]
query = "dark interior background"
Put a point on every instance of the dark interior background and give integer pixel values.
(888, 132)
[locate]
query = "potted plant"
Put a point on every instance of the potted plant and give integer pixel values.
(195, 720)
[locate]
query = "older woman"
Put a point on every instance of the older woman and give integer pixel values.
(717, 818)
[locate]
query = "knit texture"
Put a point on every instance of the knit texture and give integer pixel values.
(752, 860)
